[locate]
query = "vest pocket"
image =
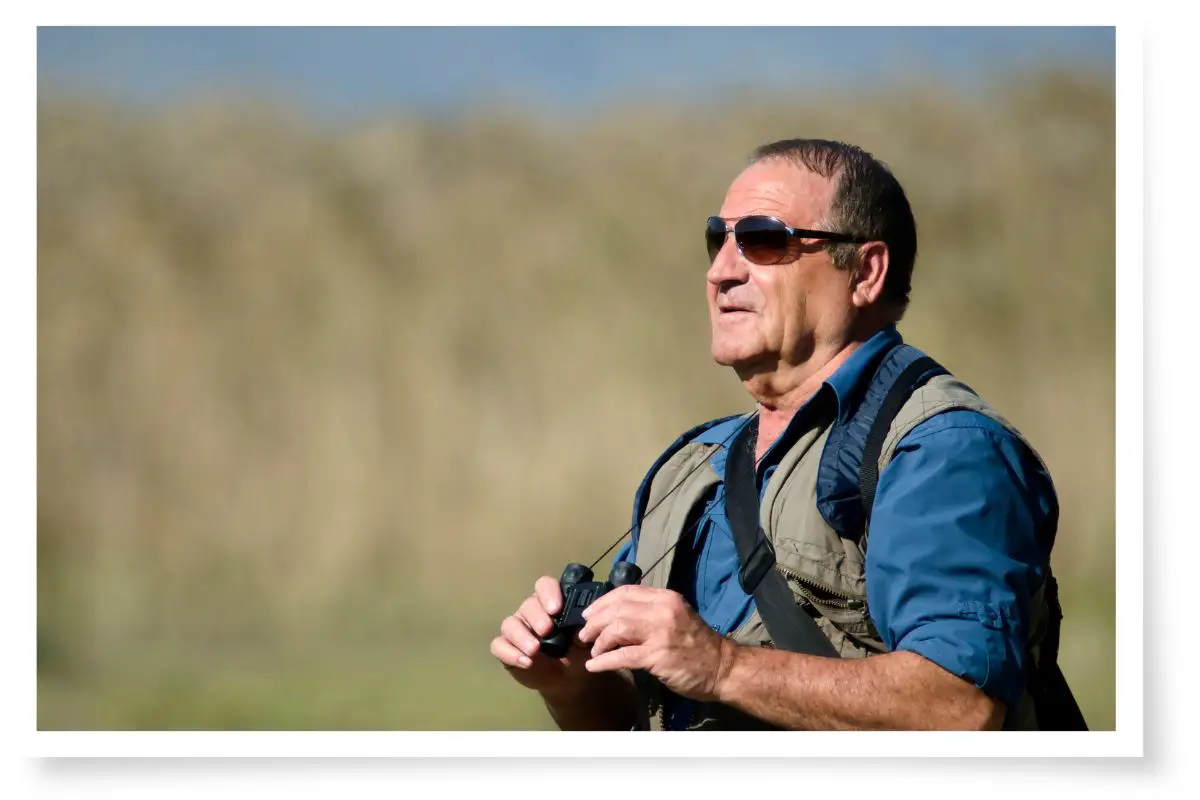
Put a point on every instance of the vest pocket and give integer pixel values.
(840, 616)
(825, 599)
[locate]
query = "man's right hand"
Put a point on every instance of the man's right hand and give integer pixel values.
(518, 649)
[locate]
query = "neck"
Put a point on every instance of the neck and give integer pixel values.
(781, 391)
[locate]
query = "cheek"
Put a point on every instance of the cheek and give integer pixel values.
(787, 303)
(774, 290)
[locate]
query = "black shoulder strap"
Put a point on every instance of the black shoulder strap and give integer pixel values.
(790, 627)
(907, 382)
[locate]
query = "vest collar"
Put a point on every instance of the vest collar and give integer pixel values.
(852, 376)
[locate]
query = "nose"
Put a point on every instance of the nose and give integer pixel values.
(728, 266)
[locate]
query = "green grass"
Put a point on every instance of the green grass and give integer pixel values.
(429, 684)
(404, 679)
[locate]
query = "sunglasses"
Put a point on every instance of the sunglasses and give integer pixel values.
(764, 240)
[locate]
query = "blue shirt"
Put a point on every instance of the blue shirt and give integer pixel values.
(961, 530)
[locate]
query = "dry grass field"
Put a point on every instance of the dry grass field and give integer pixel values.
(317, 404)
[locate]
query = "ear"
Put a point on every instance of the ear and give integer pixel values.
(866, 280)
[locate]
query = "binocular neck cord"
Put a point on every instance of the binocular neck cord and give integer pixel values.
(683, 480)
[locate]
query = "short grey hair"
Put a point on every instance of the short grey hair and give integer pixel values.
(868, 202)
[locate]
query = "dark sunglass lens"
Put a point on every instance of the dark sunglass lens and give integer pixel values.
(714, 236)
(763, 241)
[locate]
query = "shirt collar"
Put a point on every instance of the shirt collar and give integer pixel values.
(856, 370)
(849, 378)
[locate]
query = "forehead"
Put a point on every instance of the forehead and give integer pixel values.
(779, 188)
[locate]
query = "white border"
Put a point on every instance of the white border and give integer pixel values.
(547, 13)
(556, 744)
(1129, 389)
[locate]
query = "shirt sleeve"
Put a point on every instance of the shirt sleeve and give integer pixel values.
(961, 531)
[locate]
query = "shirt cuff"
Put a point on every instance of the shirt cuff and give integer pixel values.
(973, 646)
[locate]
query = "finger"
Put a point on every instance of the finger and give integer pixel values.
(515, 631)
(598, 620)
(508, 655)
(549, 592)
(534, 615)
(635, 657)
(622, 594)
(624, 630)
(601, 614)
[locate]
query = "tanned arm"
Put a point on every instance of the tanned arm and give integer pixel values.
(893, 691)
(641, 627)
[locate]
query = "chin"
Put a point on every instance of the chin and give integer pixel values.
(731, 355)
(721, 353)
(723, 360)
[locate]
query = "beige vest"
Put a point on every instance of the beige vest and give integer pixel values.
(824, 570)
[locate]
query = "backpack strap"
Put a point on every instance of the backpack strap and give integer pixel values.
(847, 473)
(912, 377)
(789, 626)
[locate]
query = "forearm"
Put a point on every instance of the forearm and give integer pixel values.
(605, 703)
(894, 691)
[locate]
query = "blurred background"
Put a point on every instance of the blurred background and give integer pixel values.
(347, 335)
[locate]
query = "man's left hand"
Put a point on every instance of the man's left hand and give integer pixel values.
(639, 627)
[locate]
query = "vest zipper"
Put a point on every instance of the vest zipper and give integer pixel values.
(843, 600)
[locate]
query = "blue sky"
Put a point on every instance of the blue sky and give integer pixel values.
(345, 72)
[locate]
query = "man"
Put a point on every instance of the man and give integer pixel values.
(811, 263)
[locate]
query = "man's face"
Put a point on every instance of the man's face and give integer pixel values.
(772, 316)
